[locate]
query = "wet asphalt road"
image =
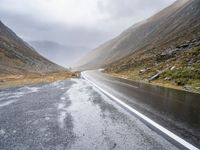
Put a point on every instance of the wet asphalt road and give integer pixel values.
(70, 115)
(177, 111)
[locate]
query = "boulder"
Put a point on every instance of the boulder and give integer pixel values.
(197, 88)
(142, 71)
(154, 77)
(167, 78)
(184, 45)
(187, 87)
(191, 61)
(168, 53)
(172, 68)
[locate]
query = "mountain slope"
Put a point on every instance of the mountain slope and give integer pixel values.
(18, 57)
(20, 64)
(172, 59)
(173, 25)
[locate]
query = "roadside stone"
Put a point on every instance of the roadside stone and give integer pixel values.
(156, 76)
(185, 45)
(193, 41)
(167, 78)
(143, 71)
(172, 68)
(197, 88)
(187, 87)
(191, 61)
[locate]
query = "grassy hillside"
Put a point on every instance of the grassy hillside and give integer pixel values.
(175, 67)
(172, 57)
(169, 27)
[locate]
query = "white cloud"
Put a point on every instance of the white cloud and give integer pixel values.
(83, 12)
(86, 23)
(70, 12)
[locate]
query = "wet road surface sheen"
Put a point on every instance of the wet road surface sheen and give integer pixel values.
(68, 115)
(178, 111)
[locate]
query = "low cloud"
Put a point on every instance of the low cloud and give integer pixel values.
(75, 23)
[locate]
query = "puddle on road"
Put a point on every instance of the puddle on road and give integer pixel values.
(8, 97)
(12, 95)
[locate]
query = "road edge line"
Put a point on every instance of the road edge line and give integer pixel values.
(181, 143)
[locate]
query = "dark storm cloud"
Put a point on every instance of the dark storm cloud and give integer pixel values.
(81, 23)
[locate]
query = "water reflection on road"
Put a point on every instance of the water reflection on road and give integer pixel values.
(179, 111)
(68, 115)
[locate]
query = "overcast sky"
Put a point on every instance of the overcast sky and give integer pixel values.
(86, 23)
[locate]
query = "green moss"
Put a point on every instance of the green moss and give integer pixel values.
(182, 76)
(186, 72)
(181, 81)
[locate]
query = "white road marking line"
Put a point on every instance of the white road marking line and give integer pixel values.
(148, 120)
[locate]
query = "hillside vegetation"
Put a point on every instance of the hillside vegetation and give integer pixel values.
(163, 49)
(176, 68)
(170, 27)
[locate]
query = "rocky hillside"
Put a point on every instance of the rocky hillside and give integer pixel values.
(170, 27)
(177, 67)
(17, 57)
(20, 64)
(172, 58)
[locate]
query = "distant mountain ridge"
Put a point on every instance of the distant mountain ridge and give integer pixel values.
(170, 27)
(17, 57)
(59, 53)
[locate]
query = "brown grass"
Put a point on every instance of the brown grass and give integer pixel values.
(183, 74)
(7, 81)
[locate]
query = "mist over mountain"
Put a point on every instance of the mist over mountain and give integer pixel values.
(17, 57)
(172, 26)
(78, 25)
(162, 50)
(63, 55)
